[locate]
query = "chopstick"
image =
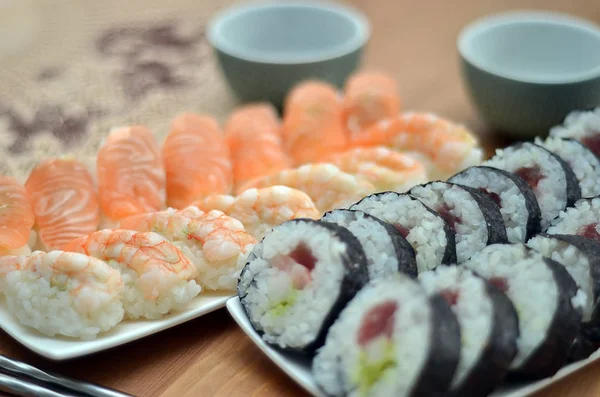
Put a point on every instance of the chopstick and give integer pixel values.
(44, 384)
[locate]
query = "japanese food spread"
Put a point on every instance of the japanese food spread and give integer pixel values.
(374, 241)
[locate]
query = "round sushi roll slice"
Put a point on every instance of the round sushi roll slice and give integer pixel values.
(489, 328)
(298, 279)
(518, 205)
(427, 232)
(545, 297)
(552, 180)
(583, 162)
(583, 219)
(583, 126)
(474, 217)
(386, 250)
(391, 340)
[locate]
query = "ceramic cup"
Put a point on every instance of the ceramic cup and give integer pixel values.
(525, 71)
(264, 49)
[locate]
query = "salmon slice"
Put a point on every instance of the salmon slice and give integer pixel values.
(370, 96)
(312, 122)
(131, 177)
(253, 133)
(64, 201)
(196, 159)
(16, 216)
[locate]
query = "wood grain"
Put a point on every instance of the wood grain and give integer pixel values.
(210, 356)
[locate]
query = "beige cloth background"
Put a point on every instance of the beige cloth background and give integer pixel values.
(70, 70)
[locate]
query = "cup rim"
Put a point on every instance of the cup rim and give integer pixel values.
(360, 36)
(479, 26)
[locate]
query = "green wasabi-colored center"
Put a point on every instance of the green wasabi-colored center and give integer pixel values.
(369, 371)
(284, 305)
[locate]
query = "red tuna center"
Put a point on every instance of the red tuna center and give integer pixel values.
(492, 195)
(444, 212)
(403, 231)
(379, 321)
(593, 143)
(303, 256)
(499, 282)
(450, 296)
(589, 231)
(531, 175)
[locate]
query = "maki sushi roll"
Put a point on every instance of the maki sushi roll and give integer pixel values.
(474, 217)
(583, 162)
(545, 297)
(298, 279)
(426, 231)
(552, 180)
(391, 340)
(386, 250)
(581, 258)
(518, 205)
(489, 327)
(583, 126)
(583, 219)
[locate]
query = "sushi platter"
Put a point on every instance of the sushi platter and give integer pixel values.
(299, 369)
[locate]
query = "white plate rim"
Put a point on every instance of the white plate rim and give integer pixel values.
(58, 348)
(235, 309)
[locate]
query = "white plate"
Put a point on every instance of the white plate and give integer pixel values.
(300, 370)
(59, 348)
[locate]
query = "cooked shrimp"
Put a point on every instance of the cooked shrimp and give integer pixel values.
(386, 169)
(16, 217)
(64, 201)
(312, 122)
(131, 178)
(216, 243)
(262, 209)
(62, 293)
(369, 97)
(158, 277)
(197, 160)
(253, 135)
(325, 184)
(220, 202)
(444, 146)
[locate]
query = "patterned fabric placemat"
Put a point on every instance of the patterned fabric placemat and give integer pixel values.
(71, 70)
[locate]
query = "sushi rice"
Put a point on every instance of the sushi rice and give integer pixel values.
(583, 125)
(582, 219)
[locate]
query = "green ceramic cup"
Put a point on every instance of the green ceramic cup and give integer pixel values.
(525, 71)
(264, 49)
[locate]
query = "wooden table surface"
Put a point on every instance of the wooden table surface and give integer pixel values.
(210, 356)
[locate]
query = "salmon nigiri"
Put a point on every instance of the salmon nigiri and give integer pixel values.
(369, 96)
(253, 134)
(16, 217)
(131, 177)
(312, 122)
(64, 201)
(196, 159)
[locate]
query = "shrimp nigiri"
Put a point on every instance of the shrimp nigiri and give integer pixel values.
(262, 209)
(64, 201)
(62, 293)
(386, 169)
(369, 97)
(216, 243)
(131, 178)
(197, 160)
(312, 122)
(326, 185)
(445, 147)
(158, 277)
(253, 135)
(16, 217)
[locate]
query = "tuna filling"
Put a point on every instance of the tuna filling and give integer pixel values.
(589, 231)
(593, 143)
(444, 212)
(492, 195)
(499, 282)
(531, 175)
